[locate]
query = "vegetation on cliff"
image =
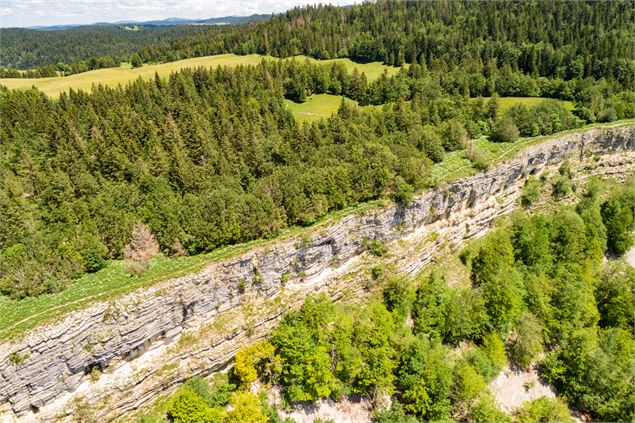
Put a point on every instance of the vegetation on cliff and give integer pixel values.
(540, 295)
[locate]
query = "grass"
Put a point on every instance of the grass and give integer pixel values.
(507, 102)
(53, 86)
(373, 70)
(316, 107)
(20, 315)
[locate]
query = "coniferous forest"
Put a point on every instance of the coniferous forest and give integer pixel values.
(209, 158)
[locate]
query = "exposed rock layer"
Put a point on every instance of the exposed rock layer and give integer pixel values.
(148, 341)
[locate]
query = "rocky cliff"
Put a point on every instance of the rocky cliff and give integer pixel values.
(119, 355)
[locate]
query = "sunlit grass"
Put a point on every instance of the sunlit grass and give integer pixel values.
(53, 86)
(316, 107)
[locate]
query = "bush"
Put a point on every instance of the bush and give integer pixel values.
(561, 187)
(545, 409)
(432, 146)
(531, 192)
(250, 359)
(246, 407)
(403, 192)
(504, 130)
(137, 267)
(454, 135)
(476, 157)
(92, 260)
(377, 247)
(528, 342)
(186, 406)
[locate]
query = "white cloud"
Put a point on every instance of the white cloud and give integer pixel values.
(24, 13)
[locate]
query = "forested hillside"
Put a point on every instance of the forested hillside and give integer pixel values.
(573, 39)
(78, 49)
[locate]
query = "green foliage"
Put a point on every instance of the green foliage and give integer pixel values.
(485, 409)
(451, 314)
(425, 378)
(399, 295)
(617, 215)
(251, 360)
(93, 260)
(432, 146)
(468, 383)
(545, 409)
(531, 191)
(136, 61)
(377, 247)
(396, 414)
(504, 130)
(186, 406)
(614, 296)
(16, 358)
(587, 364)
(403, 192)
(527, 344)
(246, 407)
(561, 187)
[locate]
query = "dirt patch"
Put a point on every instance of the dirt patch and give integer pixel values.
(513, 387)
(348, 410)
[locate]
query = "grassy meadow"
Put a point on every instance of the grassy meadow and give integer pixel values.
(316, 107)
(53, 86)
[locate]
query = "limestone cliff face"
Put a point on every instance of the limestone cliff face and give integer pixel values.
(148, 341)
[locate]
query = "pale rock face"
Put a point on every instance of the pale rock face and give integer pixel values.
(152, 339)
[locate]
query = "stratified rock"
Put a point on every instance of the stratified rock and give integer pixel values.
(148, 341)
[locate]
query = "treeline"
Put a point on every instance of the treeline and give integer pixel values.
(211, 158)
(553, 39)
(540, 294)
(75, 50)
(567, 40)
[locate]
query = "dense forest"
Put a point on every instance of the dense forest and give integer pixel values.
(539, 293)
(555, 39)
(209, 158)
(78, 49)
(573, 39)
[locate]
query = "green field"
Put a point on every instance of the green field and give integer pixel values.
(324, 105)
(316, 107)
(20, 315)
(507, 102)
(53, 86)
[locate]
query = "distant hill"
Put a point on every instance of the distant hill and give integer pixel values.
(225, 20)
(28, 48)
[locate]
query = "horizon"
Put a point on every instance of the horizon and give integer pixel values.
(30, 14)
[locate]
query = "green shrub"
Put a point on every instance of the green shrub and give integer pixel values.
(186, 406)
(504, 130)
(377, 248)
(545, 409)
(531, 191)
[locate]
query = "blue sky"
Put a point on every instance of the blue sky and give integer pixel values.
(24, 13)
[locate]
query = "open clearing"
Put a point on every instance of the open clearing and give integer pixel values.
(320, 106)
(53, 86)
(316, 107)
(507, 102)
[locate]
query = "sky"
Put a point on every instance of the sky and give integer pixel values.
(25, 13)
